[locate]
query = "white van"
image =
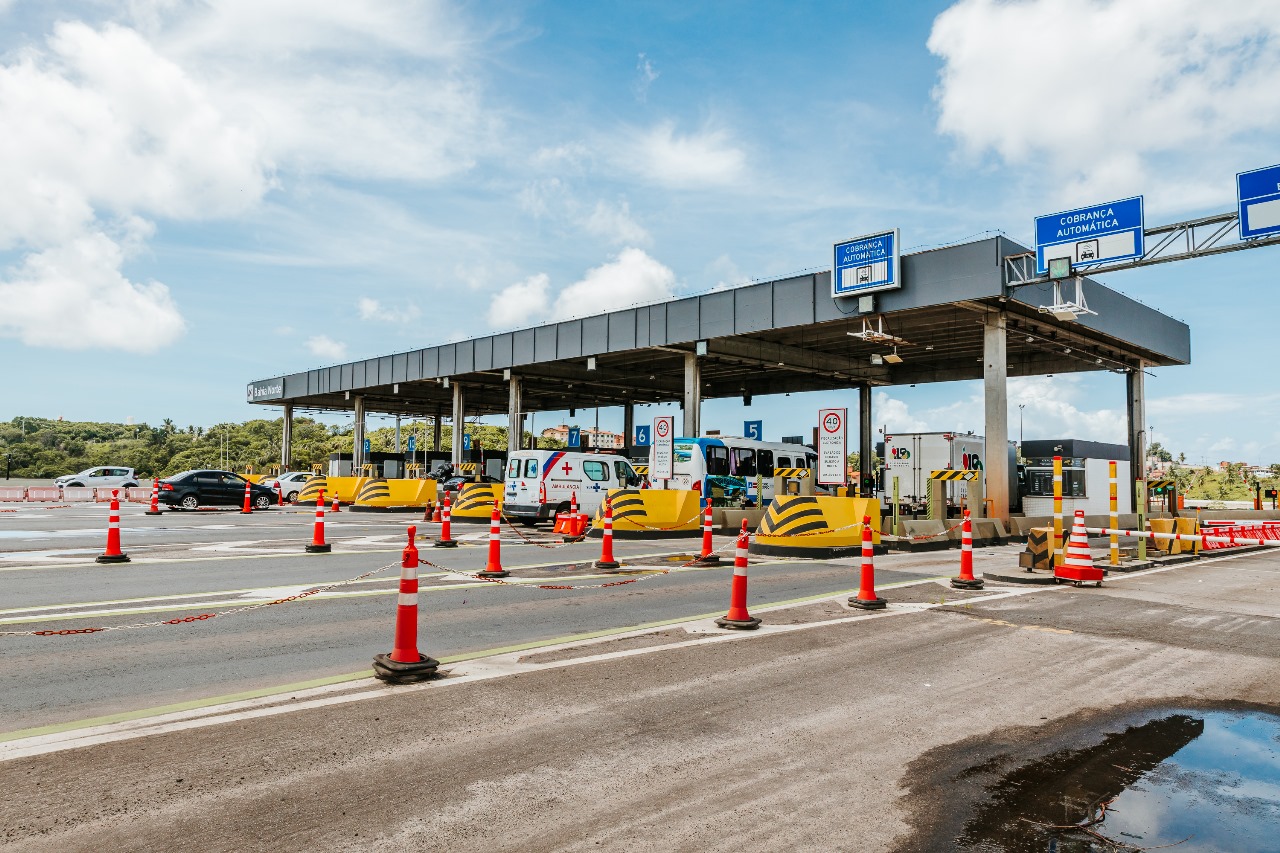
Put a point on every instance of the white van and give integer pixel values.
(727, 467)
(540, 483)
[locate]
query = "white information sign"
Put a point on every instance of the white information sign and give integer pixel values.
(664, 436)
(833, 446)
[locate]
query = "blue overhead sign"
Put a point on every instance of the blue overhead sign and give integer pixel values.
(644, 437)
(753, 430)
(466, 441)
(413, 443)
(1091, 235)
(575, 436)
(367, 445)
(1258, 194)
(866, 264)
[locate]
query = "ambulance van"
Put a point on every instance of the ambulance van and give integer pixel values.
(540, 483)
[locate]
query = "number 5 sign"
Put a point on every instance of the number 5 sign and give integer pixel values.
(833, 446)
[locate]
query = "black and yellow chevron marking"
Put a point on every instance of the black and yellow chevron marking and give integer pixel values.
(793, 515)
(475, 496)
(642, 470)
(311, 490)
(1160, 484)
(791, 472)
(467, 467)
(1040, 546)
(628, 503)
(957, 474)
(373, 490)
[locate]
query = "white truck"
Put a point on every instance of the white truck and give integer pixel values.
(540, 483)
(912, 457)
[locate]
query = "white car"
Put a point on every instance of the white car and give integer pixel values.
(290, 483)
(104, 478)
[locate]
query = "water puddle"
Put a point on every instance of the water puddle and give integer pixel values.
(1185, 781)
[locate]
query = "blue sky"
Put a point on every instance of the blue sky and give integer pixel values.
(199, 195)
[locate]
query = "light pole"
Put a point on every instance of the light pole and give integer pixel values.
(1021, 406)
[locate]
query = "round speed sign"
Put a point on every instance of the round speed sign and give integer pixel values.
(831, 423)
(663, 428)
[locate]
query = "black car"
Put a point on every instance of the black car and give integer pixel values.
(192, 489)
(453, 484)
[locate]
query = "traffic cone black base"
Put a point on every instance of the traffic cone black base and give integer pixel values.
(445, 543)
(961, 583)
(607, 564)
(713, 560)
(157, 512)
(400, 673)
(111, 558)
(319, 549)
(488, 574)
(740, 624)
(869, 603)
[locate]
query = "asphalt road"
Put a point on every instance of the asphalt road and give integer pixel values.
(825, 730)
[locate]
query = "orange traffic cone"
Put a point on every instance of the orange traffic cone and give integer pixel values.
(708, 556)
(337, 507)
(113, 554)
(866, 597)
(435, 516)
(738, 617)
(1078, 563)
(606, 560)
(966, 580)
(493, 569)
(573, 504)
(318, 545)
(406, 663)
(445, 540)
(279, 494)
(247, 510)
(155, 498)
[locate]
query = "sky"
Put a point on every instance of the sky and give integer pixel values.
(201, 194)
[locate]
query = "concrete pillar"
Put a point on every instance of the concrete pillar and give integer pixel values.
(398, 450)
(996, 394)
(628, 426)
(866, 446)
(459, 423)
(286, 438)
(1135, 386)
(515, 418)
(435, 430)
(692, 427)
(357, 450)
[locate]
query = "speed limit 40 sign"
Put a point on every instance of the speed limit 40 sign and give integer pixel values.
(833, 446)
(664, 434)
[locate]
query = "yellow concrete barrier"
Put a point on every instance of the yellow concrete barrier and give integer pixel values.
(379, 494)
(312, 488)
(476, 501)
(816, 527)
(1188, 527)
(1162, 525)
(652, 513)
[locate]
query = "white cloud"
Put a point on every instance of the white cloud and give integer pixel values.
(524, 303)
(629, 279)
(323, 346)
(372, 309)
(895, 415)
(726, 273)
(614, 223)
(369, 308)
(1111, 98)
(645, 75)
(708, 157)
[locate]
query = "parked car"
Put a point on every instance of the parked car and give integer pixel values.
(193, 489)
(290, 484)
(106, 478)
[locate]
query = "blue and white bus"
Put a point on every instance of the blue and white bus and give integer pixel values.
(730, 466)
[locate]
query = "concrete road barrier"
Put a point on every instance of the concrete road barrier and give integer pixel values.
(379, 494)
(817, 527)
(476, 502)
(652, 513)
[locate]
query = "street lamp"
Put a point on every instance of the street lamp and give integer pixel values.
(1021, 406)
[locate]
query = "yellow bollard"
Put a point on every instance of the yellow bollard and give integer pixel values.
(1057, 511)
(1115, 518)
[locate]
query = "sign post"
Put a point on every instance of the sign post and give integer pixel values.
(833, 447)
(1258, 195)
(664, 435)
(1102, 233)
(753, 430)
(866, 265)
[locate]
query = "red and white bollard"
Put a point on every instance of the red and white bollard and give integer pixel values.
(155, 498)
(493, 569)
(247, 510)
(318, 545)
(866, 597)
(606, 560)
(966, 580)
(113, 554)
(406, 663)
(708, 556)
(445, 540)
(738, 617)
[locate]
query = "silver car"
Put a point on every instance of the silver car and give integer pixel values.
(104, 478)
(289, 484)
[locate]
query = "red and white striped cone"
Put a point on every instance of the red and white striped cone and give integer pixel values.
(708, 556)
(1077, 564)
(406, 663)
(247, 509)
(573, 504)
(493, 569)
(446, 540)
(155, 498)
(866, 597)
(738, 617)
(435, 515)
(318, 545)
(337, 507)
(606, 560)
(113, 554)
(279, 494)
(966, 580)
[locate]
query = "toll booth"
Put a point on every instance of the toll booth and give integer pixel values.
(395, 466)
(1086, 478)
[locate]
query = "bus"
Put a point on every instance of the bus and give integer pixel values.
(728, 468)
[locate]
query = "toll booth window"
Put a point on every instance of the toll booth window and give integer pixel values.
(513, 469)
(742, 462)
(623, 470)
(764, 463)
(1040, 479)
(718, 461)
(531, 467)
(595, 470)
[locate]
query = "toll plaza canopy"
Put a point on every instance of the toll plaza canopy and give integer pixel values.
(955, 317)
